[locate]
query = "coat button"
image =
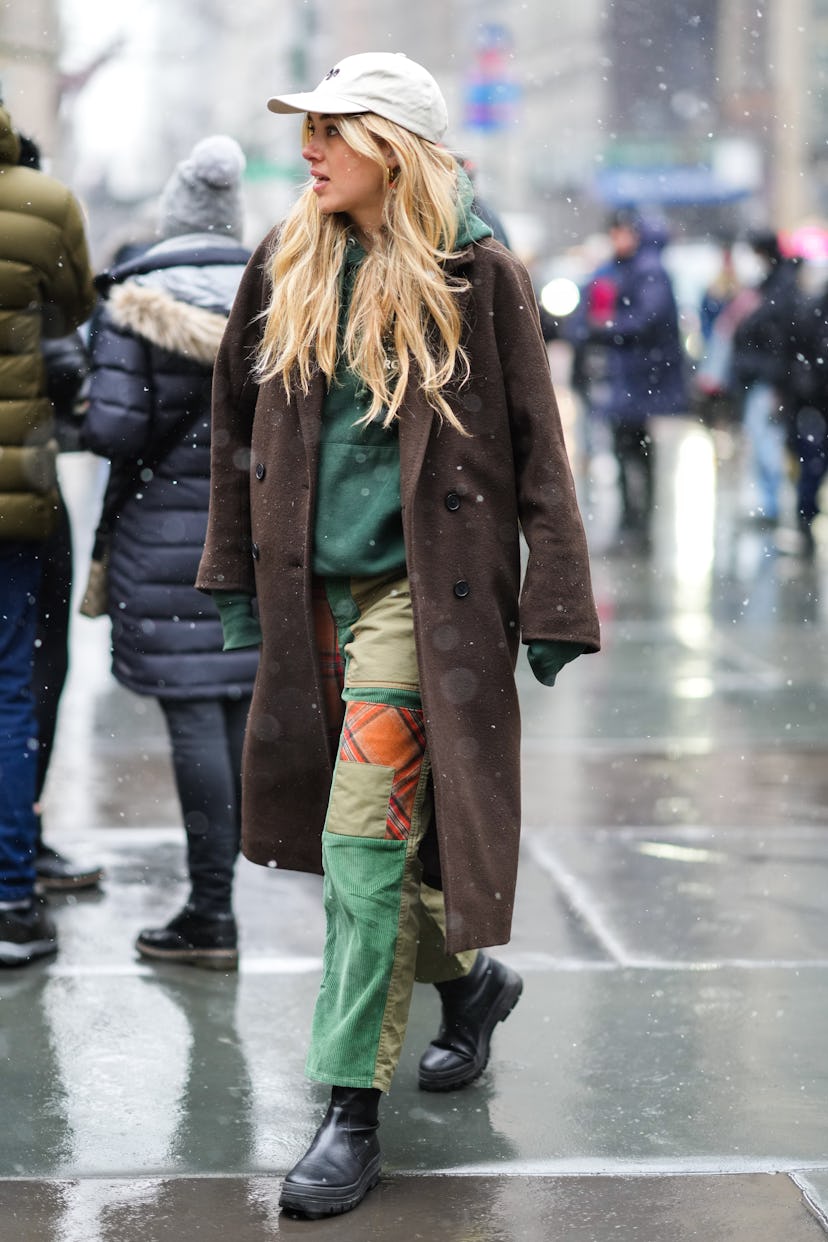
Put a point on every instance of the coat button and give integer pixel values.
(461, 588)
(452, 502)
(260, 471)
(254, 551)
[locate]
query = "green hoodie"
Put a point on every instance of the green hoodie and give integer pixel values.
(358, 525)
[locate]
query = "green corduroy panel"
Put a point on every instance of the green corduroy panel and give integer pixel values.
(362, 893)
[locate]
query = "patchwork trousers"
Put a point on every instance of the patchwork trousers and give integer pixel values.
(384, 926)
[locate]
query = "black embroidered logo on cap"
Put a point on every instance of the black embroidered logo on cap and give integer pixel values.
(331, 74)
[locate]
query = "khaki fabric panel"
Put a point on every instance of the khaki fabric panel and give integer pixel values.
(401, 980)
(381, 651)
(359, 800)
(433, 964)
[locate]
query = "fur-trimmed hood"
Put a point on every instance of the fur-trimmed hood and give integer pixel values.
(167, 322)
(177, 295)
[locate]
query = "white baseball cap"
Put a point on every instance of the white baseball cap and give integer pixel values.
(386, 83)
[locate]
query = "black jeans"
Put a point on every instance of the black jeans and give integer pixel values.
(207, 736)
(811, 449)
(635, 456)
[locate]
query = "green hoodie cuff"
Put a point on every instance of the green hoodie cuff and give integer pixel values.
(239, 626)
(548, 656)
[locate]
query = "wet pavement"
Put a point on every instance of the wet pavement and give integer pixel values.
(664, 1075)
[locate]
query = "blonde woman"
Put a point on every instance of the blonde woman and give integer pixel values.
(384, 425)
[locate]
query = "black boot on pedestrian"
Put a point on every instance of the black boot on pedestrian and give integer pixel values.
(26, 933)
(807, 547)
(210, 941)
(57, 873)
(472, 1008)
(342, 1163)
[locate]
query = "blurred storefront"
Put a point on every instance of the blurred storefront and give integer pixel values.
(712, 109)
(29, 81)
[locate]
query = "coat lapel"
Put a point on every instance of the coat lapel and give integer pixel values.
(416, 419)
(309, 409)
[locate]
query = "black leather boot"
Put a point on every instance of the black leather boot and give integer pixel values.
(196, 939)
(55, 872)
(342, 1163)
(472, 1008)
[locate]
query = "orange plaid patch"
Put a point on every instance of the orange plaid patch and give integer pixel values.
(390, 737)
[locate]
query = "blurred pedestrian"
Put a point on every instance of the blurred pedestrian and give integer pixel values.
(384, 375)
(724, 303)
(149, 413)
(761, 352)
(629, 351)
(808, 409)
(66, 367)
(721, 291)
(45, 290)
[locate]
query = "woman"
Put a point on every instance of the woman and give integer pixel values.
(153, 350)
(370, 471)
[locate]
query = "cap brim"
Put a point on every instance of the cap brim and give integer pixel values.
(316, 101)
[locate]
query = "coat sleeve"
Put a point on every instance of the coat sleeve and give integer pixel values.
(226, 563)
(71, 296)
(119, 415)
(556, 599)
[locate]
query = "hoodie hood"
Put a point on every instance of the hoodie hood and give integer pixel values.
(654, 234)
(470, 228)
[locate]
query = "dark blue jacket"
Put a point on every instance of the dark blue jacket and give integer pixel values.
(153, 350)
(627, 340)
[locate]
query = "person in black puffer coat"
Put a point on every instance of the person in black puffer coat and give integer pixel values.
(152, 355)
(807, 412)
(761, 372)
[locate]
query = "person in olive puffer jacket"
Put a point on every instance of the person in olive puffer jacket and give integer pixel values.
(46, 290)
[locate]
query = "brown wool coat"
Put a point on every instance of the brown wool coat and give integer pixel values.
(463, 500)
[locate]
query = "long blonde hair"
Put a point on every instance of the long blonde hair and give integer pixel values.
(404, 310)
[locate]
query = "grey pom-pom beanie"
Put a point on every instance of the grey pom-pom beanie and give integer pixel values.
(203, 195)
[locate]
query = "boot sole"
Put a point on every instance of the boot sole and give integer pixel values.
(451, 1080)
(12, 954)
(67, 884)
(316, 1202)
(206, 959)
